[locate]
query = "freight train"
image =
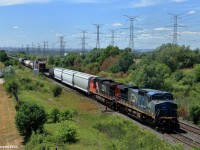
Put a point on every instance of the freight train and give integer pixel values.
(151, 106)
(38, 65)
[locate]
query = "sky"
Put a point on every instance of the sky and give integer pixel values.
(31, 22)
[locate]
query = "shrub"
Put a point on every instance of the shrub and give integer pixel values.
(29, 118)
(10, 70)
(68, 114)
(115, 68)
(178, 75)
(55, 115)
(67, 133)
(183, 112)
(114, 127)
(57, 90)
(195, 114)
(41, 141)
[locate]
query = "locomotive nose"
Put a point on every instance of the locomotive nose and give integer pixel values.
(166, 109)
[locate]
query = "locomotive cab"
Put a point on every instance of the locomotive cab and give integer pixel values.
(165, 110)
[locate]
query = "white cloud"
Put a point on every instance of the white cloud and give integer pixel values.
(162, 29)
(17, 2)
(192, 12)
(87, 1)
(15, 27)
(179, 1)
(146, 3)
(58, 34)
(190, 33)
(117, 24)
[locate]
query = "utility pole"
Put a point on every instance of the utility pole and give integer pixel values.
(175, 27)
(131, 28)
(98, 39)
(113, 37)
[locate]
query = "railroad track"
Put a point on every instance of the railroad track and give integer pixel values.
(189, 128)
(182, 138)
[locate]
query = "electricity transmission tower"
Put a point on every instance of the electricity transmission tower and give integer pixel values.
(131, 28)
(83, 40)
(27, 50)
(45, 47)
(175, 27)
(38, 51)
(33, 48)
(98, 39)
(62, 45)
(112, 43)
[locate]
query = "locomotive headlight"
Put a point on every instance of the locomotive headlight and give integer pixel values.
(164, 121)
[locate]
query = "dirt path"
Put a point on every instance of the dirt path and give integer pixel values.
(9, 135)
(1, 81)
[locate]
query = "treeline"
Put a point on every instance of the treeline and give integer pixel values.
(109, 59)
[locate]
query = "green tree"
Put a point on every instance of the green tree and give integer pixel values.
(152, 76)
(126, 60)
(51, 60)
(70, 58)
(3, 56)
(29, 118)
(197, 72)
(12, 86)
(195, 114)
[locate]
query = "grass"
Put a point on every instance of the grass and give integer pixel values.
(90, 137)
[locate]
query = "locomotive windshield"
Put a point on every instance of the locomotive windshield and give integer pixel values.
(162, 97)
